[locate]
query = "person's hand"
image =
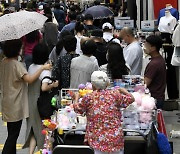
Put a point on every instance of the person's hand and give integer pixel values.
(123, 91)
(76, 97)
(55, 84)
(47, 66)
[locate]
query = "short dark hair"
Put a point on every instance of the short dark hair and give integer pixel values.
(88, 47)
(50, 18)
(88, 17)
(11, 48)
(97, 33)
(70, 42)
(79, 27)
(155, 40)
(72, 15)
(57, 6)
(64, 33)
(40, 54)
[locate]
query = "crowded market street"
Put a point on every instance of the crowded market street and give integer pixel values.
(89, 76)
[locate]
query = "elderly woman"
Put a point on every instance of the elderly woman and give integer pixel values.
(102, 108)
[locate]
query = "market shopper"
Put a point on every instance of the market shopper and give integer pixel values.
(29, 41)
(83, 66)
(108, 35)
(14, 96)
(116, 65)
(59, 15)
(50, 33)
(88, 24)
(79, 32)
(34, 136)
(133, 53)
(64, 62)
(103, 131)
(100, 52)
(155, 72)
(70, 27)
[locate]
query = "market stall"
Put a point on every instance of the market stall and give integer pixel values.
(67, 127)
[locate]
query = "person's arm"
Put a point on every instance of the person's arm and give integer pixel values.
(80, 106)
(125, 92)
(147, 81)
(31, 78)
(46, 86)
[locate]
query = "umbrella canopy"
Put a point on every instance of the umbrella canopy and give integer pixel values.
(99, 12)
(15, 25)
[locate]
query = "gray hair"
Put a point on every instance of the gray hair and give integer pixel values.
(99, 80)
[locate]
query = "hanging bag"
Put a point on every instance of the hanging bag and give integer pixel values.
(175, 61)
(44, 101)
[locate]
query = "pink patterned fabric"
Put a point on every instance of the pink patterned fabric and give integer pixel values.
(102, 108)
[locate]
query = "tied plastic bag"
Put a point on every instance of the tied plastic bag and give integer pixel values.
(175, 61)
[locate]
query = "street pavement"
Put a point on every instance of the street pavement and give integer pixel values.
(20, 142)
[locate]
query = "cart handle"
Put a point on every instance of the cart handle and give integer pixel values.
(136, 131)
(72, 130)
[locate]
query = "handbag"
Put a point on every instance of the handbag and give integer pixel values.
(44, 101)
(175, 61)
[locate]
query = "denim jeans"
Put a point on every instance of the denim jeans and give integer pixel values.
(28, 60)
(160, 104)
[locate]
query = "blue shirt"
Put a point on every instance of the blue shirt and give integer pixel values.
(69, 27)
(174, 12)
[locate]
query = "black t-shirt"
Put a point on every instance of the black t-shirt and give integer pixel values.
(100, 53)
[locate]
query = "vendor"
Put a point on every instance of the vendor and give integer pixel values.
(155, 72)
(102, 107)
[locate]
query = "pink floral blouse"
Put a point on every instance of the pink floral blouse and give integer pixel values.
(102, 108)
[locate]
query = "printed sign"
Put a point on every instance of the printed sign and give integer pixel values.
(119, 23)
(148, 25)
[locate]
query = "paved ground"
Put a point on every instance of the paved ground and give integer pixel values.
(171, 120)
(20, 142)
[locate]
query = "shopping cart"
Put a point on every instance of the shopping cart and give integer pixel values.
(73, 142)
(72, 149)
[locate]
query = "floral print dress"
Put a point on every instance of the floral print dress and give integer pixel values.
(102, 108)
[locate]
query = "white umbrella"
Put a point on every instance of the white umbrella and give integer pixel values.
(15, 25)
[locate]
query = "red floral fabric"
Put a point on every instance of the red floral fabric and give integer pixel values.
(102, 108)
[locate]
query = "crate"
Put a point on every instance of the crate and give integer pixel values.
(65, 96)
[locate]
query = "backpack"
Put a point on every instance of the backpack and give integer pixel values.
(44, 101)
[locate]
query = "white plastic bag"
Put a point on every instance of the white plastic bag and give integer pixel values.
(175, 61)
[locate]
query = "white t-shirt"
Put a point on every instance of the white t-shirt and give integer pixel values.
(133, 55)
(167, 24)
(33, 68)
(78, 45)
